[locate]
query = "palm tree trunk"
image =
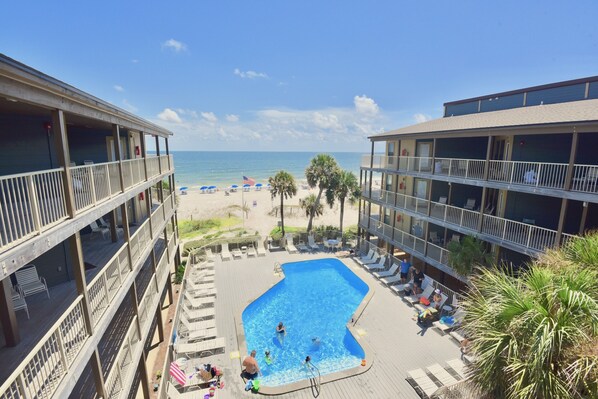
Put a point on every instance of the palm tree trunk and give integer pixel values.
(282, 213)
(342, 213)
(313, 210)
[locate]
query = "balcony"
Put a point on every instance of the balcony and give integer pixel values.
(32, 203)
(499, 230)
(64, 349)
(541, 175)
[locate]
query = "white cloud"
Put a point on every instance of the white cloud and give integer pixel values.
(249, 74)
(169, 115)
(128, 106)
(209, 116)
(420, 118)
(119, 88)
(174, 45)
(365, 105)
(232, 118)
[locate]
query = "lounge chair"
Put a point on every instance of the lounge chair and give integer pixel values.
(198, 273)
(377, 266)
(201, 302)
(173, 393)
(261, 251)
(390, 272)
(209, 254)
(198, 335)
(470, 204)
(225, 252)
(369, 256)
(119, 230)
(29, 283)
(413, 299)
(201, 292)
(18, 301)
(198, 314)
(95, 229)
(187, 326)
(302, 247)
(191, 286)
(201, 348)
(444, 328)
(237, 253)
(434, 239)
(392, 279)
(441, 374)
(289, 244)
(459, 367)
(251, 251)
(423, 382)
(421, 307)
(458, 336)
(312, 243)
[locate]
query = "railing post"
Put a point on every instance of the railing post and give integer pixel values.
(62, 150)
(466, 168)
(539, 174)
(93, 185)
(60, 344)
(34, 204)
(512, 171)
(504, 230)
(529, 236)
(107, 174)
(118, 152)
(23, 386)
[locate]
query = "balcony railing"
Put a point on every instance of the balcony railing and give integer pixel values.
(39, 375)
(523, 234)
(29, 204)
(531, 174)
(124, 360)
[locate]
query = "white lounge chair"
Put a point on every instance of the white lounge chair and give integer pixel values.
(312, 243)
(197, 274)
(391, 279)
(302, 247)
(423, 381)
(441, 374)
(225, 252)
(119, 230)
(390, 272)
(201, 348)
(198, 314)
(201, 292)
(95, 229)
(289, 244)
(446, 328)
(261, 251)
(200, 302)
(210, 255)
(369, 256)
(413, 299)
(421, 307)
(198, 335)
(251, 251)
(29, 283)
(193, 286)
(187, 326)
(377, 266)
(173, 393)
(374, 259)
(237, 253)
(459, 367)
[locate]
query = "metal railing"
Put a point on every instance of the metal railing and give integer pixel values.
(466, 168)
(133, 171)
(379, 161)
(527, 235)
(585, 178)
(538, 174)
(29, 204)
(124, 360)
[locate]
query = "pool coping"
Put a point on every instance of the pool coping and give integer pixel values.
(339, 375)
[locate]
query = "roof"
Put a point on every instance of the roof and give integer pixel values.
(561, 113)
(26, 84)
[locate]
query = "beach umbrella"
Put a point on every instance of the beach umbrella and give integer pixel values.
(259, 185)
(203, 187)
(234, 186)
(183, 188)
(246, 185)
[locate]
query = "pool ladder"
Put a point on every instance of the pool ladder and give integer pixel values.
(315, 379)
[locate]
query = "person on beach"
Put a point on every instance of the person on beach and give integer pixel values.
(251, 367)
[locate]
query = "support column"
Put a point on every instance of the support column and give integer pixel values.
(170, 294)
(134, 302)
(369, 214)
(8, 317)
(448, 201)
(79, 275)
(571, 166)
(562, 216)
(584, 216)
(62, 151)
(160, 322)
(145, 381)
(482, 207)
(143, 153)
(98, 376)
(113, 221)
(127, 233)
(118, 154)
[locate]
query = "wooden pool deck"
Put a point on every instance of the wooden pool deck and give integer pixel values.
(397, 342)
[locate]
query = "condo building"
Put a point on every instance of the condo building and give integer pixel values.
(517, 170)
(88, 240)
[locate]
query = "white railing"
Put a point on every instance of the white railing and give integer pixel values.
(437, 253)
(171, 244)
(153, 166)
(164, 163)
(93, 184)
(146, 304)
(403, 238)
(538, 174)
(455, 215)
(585, 178)
(466, 168)
(104, 287)
(139, 240)
(157, 220)
(171, 160)
(48, 363)
(416, 164)
(523, 234)
(133, 171)
(29, 204)
(124, 360)
(380, 161)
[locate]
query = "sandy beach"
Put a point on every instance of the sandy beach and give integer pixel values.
(195, 205)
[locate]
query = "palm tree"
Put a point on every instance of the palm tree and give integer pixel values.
(283, 184)
(344, 187)
(465, 255)
(536, 336)
(308, 203)
(322, 170)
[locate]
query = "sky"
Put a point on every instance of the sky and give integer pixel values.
(298, 75)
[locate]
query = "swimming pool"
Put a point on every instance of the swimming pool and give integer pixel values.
(315, 299)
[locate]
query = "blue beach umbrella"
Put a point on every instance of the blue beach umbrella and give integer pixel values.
(259, 185)
(246, 185)
(183, 188)
(203, 187)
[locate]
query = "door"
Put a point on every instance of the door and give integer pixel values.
(424, 151)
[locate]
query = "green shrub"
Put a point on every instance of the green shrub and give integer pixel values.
(180, 272)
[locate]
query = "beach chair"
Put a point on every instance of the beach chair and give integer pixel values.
(261, 251)
(237, 254)
(459, 367)
(370, 255)
(201, 292)
(197, 303)
(199, 272)
(391, 280)
(198, 335)
(444, 328)
(199, 277)
(390, 272)
(210, 255)
(458, 336)
(29, 283)
(413, 299)
(374, 259)
(198, 314)
(202, 348)
(312, 243)
(441, 374)
(470, 204)
(187, 327)
(289, 244)
(95, 229)
(173, 393)
(18, 301)
(251, 251)
(377, 266)
(302, 247)
(225, 254)
(419, 379)
(191, 286)
(119, 230)
(421, 307)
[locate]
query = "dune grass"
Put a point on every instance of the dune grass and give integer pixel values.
(194, 228)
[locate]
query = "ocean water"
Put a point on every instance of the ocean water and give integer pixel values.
(219, 168)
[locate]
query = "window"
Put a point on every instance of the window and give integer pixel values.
(391, 149)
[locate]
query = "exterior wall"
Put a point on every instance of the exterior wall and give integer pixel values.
(467, 148)
(539, 148)
(88, 144)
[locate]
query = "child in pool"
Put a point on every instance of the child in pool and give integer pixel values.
(267, 357)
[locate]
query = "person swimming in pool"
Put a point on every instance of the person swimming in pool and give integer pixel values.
(281, 331)
(267, 357)
(315, 341)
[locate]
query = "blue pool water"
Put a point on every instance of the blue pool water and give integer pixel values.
(315, 299)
